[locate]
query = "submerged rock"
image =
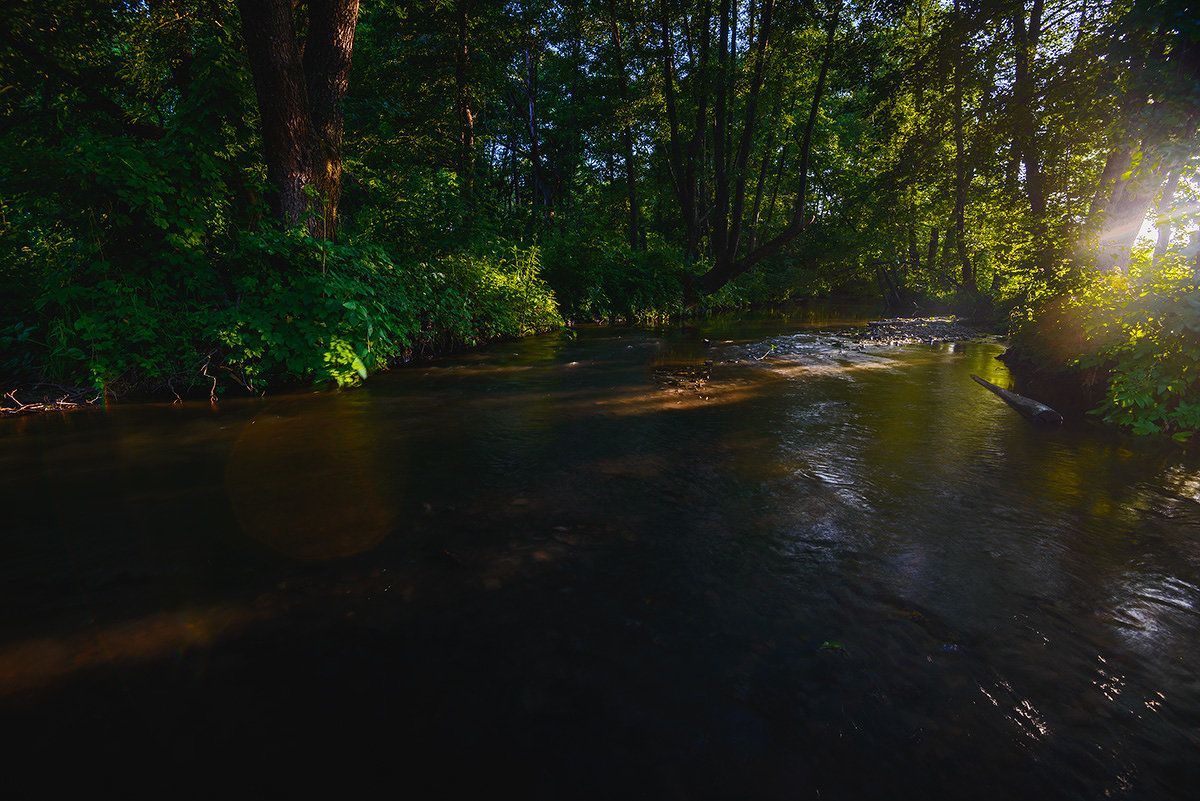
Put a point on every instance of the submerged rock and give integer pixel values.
(904, 331)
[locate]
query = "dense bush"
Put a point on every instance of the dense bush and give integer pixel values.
(279, 308)
(612, 282)
(1137, 335)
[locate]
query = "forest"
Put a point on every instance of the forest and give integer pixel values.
(210, 196)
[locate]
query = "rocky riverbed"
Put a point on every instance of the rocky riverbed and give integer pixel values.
(911, 331)
(852, 344)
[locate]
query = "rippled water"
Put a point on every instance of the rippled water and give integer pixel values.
(634, 564)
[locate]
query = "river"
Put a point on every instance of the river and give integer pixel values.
(603, 566)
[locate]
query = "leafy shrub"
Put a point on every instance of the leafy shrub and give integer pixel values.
(304, 310)
(107, 328)
(1154, 384)
(610, 281)
(16, 350)
(1140, 333)
(314, 312)
(279, 308)
(501, 296)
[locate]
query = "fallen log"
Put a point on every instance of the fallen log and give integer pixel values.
(1031, 410)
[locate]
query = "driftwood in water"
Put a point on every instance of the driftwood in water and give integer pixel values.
(1031, 410)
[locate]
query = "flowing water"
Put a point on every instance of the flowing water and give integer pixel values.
(635, 564)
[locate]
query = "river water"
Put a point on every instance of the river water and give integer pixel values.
(604, 567)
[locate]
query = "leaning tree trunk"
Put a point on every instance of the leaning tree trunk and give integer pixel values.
(1126, 213)
(1031, 410)
(300, 91)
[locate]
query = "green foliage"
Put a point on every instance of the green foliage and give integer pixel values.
(1137, 334)
(306, 311)
(295, 311)
(16, 354)
(610, 282)
(121, 331)
(1154, 385)
(417, 212)
(498, 296)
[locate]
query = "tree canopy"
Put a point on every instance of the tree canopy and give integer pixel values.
(187, 159)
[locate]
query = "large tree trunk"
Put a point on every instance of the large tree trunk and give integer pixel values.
(300, 94)
(275, 63)
(327, 51)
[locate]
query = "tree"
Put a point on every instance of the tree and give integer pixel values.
(710, 162)
(300, 83)
(633, 226)
(1159, 122)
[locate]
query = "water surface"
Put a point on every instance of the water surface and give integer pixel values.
(748, 561)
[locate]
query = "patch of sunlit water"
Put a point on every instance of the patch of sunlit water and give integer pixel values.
(1110, 683)
(1153, 613)
(1026, 719)
(1184, 484)
(630, 400)
(637, 402)
(42, 661)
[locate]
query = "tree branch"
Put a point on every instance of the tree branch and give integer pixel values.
(52, 69)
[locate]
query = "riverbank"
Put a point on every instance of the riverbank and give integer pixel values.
(37, 397)
(280, 311)
(31, 399)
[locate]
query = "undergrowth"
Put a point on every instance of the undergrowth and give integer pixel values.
(1138, 334)
(276, 309)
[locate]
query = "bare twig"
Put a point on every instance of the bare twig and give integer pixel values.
(212, 393)
(70, 400)
(13, 396)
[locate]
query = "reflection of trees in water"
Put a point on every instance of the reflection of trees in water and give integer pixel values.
(307, 484)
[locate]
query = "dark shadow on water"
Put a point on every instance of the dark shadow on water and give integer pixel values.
(536, 570)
